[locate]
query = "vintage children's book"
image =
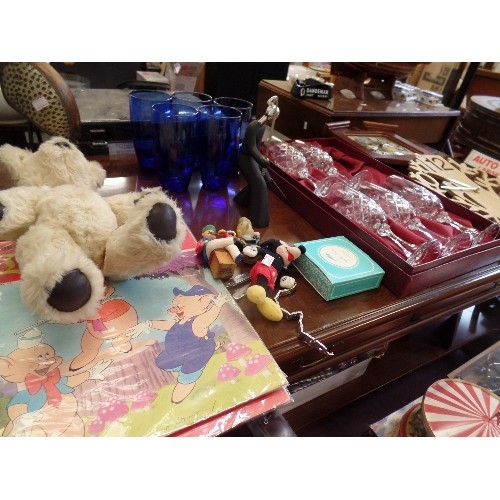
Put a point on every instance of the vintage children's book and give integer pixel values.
(9, 270)
(170, 354)
(236, 416)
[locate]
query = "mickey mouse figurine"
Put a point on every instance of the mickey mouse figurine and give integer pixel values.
(276, 256)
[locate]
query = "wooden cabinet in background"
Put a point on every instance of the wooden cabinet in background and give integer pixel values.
(484, 82)
(306, 118)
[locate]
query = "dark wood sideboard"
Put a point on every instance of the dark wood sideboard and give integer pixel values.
(306, 118)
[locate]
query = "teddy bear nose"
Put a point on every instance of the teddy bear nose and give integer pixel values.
(71, 292)
(162, 222)
(63, 144)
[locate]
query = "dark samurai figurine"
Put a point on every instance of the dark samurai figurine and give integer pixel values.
(253, 166)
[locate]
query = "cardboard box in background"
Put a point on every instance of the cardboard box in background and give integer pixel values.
(436, 76)
(151, 76)
(185, 76)
(483, 162)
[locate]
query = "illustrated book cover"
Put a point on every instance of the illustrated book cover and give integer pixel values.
(170, 353)
(9, 270)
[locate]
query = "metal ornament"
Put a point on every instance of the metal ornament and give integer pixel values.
(305, 337)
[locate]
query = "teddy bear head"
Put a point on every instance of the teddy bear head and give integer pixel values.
(56, 162)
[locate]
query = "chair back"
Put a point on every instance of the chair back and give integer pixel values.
(40, 93)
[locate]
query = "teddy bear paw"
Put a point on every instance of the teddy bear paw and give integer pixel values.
(162, 222)
(71, 293)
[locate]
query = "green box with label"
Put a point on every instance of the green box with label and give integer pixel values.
(336, 267)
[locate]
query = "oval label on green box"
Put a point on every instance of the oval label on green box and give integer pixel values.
(338, 256)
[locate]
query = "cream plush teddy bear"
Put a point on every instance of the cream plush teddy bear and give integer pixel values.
(70, 238)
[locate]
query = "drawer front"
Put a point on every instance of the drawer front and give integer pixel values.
(457, 302)
(307, 360)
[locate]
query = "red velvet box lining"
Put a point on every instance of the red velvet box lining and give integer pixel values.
(401, 278)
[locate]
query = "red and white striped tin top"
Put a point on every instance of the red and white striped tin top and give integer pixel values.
(453, 407)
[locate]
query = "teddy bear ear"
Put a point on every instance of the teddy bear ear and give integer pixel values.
(99, 173)
(11, 161)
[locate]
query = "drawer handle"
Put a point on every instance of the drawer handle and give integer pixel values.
(308, 365)
(314, 343)
(318, 361)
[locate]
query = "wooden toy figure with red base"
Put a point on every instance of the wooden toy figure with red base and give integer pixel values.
(276, 256)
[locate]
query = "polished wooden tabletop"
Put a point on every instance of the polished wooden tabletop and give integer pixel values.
(347, 326)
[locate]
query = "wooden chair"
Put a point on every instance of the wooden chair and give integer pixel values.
(14, 127)
(39, 93)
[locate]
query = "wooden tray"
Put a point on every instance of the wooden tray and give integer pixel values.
(437, 172)
(385, 146)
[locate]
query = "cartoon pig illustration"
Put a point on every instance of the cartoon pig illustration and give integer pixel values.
(44, 404)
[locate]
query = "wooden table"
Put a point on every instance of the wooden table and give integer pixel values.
(349, 326)
(306, 118)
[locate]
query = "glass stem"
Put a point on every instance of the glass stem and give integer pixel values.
(402, 243)
(385, 230)
(418, 226)
(445, 218)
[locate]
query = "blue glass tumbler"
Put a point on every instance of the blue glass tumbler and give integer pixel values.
(175, 140)
(140, 105)
(245, 107)
(219, 140)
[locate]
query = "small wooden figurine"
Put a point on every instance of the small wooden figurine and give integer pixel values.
(219, 251)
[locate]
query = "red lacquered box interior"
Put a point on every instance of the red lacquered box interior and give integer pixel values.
(400, 277)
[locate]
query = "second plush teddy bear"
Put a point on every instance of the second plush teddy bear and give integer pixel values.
(69, 238)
